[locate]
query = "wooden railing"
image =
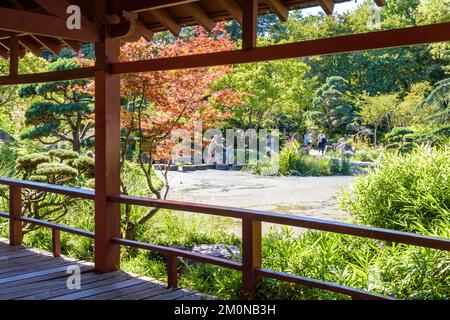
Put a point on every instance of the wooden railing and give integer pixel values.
(251, 265)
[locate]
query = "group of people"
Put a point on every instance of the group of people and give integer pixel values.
(309, 140)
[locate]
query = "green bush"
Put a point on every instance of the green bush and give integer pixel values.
(363, 155)
(407, 192)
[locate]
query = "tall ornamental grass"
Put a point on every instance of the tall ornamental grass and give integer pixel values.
(409, 192)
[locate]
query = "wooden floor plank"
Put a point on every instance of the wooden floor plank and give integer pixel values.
(33, 274)
(36, 266)
(15, 255)
(171, 295)
(57, 275)
(89, 281)
(145, 286)
(95, 291)
(144, 294)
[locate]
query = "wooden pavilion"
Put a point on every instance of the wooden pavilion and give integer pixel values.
(38, 25)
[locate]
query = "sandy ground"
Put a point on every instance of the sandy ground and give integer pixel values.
(305, 196)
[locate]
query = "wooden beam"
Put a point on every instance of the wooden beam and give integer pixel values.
(142, 30)
(3, 52)
(48, 43)
(327, 6)
(200, 16)
(21, 50)
(7, 34)
(166, 20)
(13, 56)
(251, 257)
(144, 5)
(48, 76)
(74, 45)
(380, 3)
(15, 212)
(249, 24)
(28, 43)
(59, 9)
(358, 42)
(107, 148)
(280, 10)
(40, 24)
(233, 9)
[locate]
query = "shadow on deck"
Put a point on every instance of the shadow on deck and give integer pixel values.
(31, 274)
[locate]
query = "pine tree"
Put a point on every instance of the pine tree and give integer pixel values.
(62, 112)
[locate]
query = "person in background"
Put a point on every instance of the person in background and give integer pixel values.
(288, 141)
(307, 139)
(322, 141)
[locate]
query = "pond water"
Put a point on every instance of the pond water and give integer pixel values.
(304, 196)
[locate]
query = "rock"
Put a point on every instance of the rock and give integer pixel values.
(201, 166)
(236, 167)
(218, 250)
(5, 136)
(187, 168)
(222, 166)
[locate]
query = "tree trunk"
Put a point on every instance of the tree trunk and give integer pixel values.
(76, 145)
(375, 136)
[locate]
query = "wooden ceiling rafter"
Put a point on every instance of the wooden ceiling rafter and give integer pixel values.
(6, 44)
(200, 16)
(233, 8)
(145, 5)
(327, 6)
(59, 9)
(151, 16)
(75, 46)
(166, 20)
(280, 10)
(49, 44)
(20, 21)
(29, 43)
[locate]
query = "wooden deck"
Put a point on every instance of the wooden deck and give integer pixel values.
(31, 274)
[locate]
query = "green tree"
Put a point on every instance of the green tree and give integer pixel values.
(332, 108)
(63, 112)
(11, 105)
(439, 99)
(401, 139)
(271, 93)
(56, 167)
(375, 110)
(398, 67)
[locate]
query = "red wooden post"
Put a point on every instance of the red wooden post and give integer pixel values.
(249, 24)
(15, 211)
(172, 271)
(56, 242)
(251, 256)
(13, 56)
(107, 149)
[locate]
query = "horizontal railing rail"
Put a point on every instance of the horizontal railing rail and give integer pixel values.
(51, 188)
(52, 225)
(251, 265)
(290, 220)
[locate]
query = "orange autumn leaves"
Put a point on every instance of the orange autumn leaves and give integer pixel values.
(159, 102)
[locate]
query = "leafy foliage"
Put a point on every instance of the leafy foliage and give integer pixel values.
(64, 112)
(332, 108)
(407, 192)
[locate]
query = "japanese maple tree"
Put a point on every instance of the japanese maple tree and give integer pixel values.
(157, 103)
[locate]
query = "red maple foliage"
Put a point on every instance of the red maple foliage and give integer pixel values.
(162, 101)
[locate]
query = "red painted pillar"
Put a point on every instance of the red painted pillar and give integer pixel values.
(249, 24)
(107, 149)
(15, 211)
(251, 256)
